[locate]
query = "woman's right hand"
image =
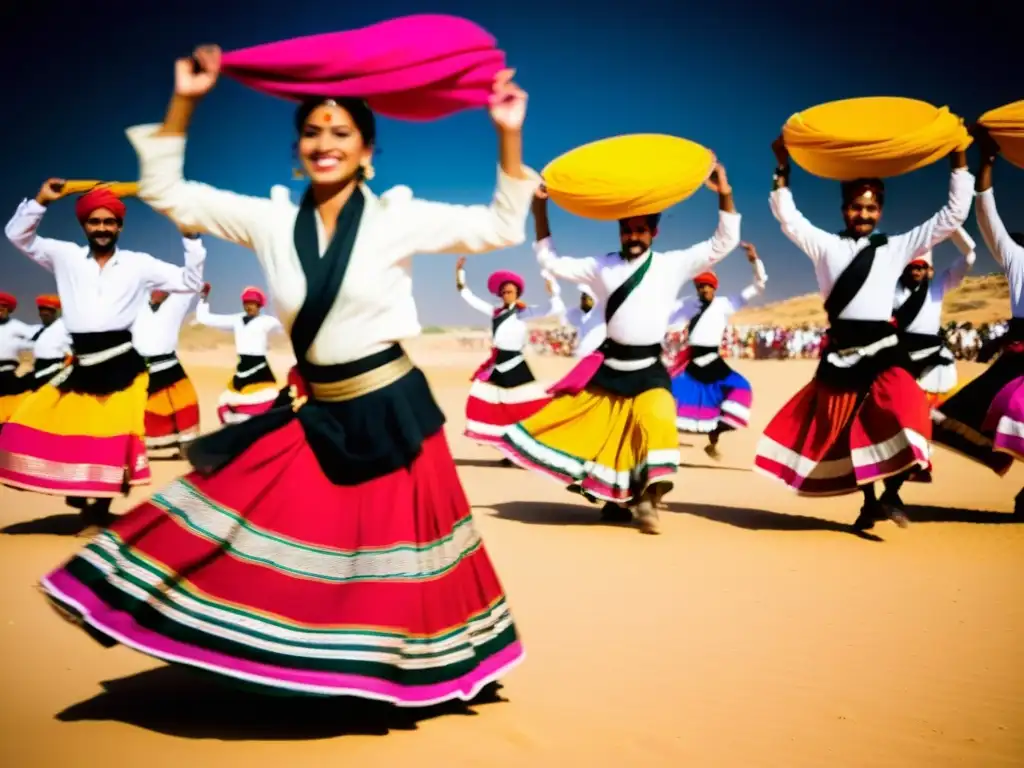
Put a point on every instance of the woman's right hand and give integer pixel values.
(191, 84)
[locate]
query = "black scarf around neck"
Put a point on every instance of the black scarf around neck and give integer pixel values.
(324, 274)
(696, 318)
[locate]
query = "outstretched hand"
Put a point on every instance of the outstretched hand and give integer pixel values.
(460, 263)
(780, 150)
(751, 251)
(507, 102)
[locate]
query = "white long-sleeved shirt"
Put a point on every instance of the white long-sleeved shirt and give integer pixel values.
(712, 324)
(512, 333)
(831, 254)
(929, 319)
(1009, 255)
(155, 332)
(15, 337)
(52, 342)
(591, 330)
(643, 318)
(107, 299)
(250, 337)
(375, 306)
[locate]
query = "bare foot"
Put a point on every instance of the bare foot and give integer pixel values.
(711, 449)
(647, 517)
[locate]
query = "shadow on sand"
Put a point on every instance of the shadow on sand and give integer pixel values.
(548, 513)
(63, 524)
(179, 701)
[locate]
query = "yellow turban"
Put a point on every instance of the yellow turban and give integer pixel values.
(1006, 124)
(625, 176)
(118, 188)
(877, 136)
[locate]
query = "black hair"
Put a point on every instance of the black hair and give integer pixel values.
(851, 189)
(360, 112)
(653, 219)
(1018, 238)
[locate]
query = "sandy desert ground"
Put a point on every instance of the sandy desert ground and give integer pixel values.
(757, 631)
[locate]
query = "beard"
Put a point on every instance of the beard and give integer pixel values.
(102, 242)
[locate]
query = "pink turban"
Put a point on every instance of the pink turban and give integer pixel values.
(502, 276)
(252, 293)
(100, 197)
(417, 67)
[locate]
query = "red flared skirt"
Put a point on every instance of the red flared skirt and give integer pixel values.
(268, 573)
(828, 441)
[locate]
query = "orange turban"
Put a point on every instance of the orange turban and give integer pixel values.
(706, 278)
(252, 293)
(101, 197)
(48, 301)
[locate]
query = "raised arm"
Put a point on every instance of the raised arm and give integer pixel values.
(187, 279)
(467, 295)
(205, 317)
(955, 274)
(756, 288)
(942, 225)
(161, 150)
(555, 309)
(1000, 243)
(443, 228)
(22, 229)
(804, 235)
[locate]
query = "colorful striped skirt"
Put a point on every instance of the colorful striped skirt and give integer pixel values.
(12, 390)
(984, 420)
(711, 397)
(172, 410)
(502, 393)
(305, 568)
(251, 391)
(81, 434)
(828, 441)
(606, 446)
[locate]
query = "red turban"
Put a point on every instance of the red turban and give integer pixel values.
(252, 293)
(919, 263)
(48, 301)
(706, 278)
(157, 295)
(101, 197)
(8, 300)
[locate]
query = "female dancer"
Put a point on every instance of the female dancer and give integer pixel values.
(328, 547)
(863, 418)
(253, 389)
(985, 419)
(711, 398)
(504, 391)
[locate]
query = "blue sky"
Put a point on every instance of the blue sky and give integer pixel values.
(721, 74)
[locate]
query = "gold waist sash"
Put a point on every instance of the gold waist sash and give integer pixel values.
(363, 384)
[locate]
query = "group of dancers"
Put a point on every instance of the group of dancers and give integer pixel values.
(322, 542)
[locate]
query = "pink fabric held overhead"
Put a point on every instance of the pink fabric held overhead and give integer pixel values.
(417, 67)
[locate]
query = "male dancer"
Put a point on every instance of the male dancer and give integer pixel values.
(588, 322)
(863, 418)
(51, 342)
(172, 408)
(80, 436)
(614, 438)
(712, 398)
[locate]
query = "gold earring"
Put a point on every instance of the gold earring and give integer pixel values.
(368, 172)
(298, 173)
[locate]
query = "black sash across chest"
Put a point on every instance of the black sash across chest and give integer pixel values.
(353, 440)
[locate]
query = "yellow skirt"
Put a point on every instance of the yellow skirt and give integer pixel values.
(608, 447)
(9, 404)
(73, 444)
